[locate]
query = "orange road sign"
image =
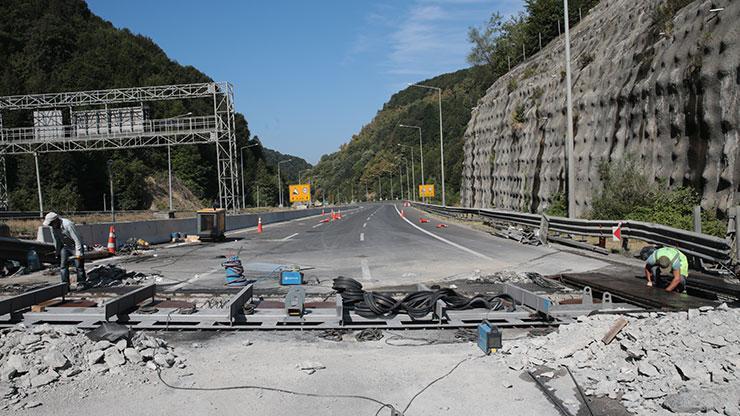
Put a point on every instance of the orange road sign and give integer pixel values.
(426, 191)
(300, 193)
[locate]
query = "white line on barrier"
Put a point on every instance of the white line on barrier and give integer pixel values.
(444, 240)
(362, 236)
(364, 225)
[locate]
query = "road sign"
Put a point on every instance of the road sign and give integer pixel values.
(426, 191)
(617, 232)
(300, 193)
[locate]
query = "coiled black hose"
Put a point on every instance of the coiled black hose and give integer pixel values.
(373, 305)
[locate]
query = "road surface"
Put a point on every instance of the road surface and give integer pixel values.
(372, 243)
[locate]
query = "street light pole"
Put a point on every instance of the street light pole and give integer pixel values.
(241, 168)
(569, 145)
(169, 159)
(441, 140)
(112, 198)
(421, 150)
(280, 186)
(38, 184)
(413, 169)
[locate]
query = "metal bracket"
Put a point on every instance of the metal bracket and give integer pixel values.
(125, 303)
(236, 303)
(606, 299)
(587, 297)
(529, 299)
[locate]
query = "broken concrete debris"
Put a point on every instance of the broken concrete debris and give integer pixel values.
(107, 275)
(34, 359)
(661, 363)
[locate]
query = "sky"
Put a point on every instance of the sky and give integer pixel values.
(309, 74)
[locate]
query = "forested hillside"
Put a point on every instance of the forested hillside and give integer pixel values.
(374, 152)
(59, 45)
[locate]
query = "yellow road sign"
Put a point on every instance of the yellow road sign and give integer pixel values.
(300, 193)
(426, 191)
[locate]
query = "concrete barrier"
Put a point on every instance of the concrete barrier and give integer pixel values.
(160, 231)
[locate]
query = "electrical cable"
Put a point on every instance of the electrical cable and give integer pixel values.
(374, 305)
(278, 390)
(580, 391)
(434, 381)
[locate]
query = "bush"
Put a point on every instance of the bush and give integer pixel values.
(558, 207)
(518, 115)
(627, 194)
(511, 86)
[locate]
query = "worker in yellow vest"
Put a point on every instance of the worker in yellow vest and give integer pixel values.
(670, 261)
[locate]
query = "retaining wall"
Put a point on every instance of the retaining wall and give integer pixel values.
(159, 231)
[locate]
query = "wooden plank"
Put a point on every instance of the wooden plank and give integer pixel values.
(634, 291)
(40, 307)
(619, 324)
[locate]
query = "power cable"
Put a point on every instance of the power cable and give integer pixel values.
(280, 390)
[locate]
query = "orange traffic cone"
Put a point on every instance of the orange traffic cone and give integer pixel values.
(322, 211)
(112, 240)
(259, 224)
(402, 215)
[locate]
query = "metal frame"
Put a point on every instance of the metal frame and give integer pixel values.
(124, 308)
(217, 128)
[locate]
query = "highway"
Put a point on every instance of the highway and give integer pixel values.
(372, 243)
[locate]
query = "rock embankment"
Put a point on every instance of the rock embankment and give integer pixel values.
(661, 89)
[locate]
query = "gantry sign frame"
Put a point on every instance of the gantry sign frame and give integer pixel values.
(217, 128)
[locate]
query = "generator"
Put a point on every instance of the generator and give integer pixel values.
(211, 224)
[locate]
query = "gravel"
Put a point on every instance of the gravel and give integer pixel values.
(34, 359)
(661, 363)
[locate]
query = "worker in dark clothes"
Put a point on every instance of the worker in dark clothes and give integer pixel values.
(673, 263)
(68, 245)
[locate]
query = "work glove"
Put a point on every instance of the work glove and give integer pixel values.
(650, 284)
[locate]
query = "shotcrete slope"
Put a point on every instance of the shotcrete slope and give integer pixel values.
(664, 92)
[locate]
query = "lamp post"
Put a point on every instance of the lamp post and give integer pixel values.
(413, 170)
(169, 158)
(441, 141)
(38, 184)
(241, 168)
(421, 149)
(112, 198)
(280, 186)
(569, 145)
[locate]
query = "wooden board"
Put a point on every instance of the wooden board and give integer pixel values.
(635, 291)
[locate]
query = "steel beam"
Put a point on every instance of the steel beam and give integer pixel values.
(125, 303)
(236, 303)
(34, 297)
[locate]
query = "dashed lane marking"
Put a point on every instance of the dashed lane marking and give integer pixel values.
(289, 237)
(362, 236)
(365, 270)
(364, 225)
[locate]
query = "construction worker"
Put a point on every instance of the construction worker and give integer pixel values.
(671, 261)
(68, 245)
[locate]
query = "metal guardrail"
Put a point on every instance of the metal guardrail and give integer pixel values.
(706, 247)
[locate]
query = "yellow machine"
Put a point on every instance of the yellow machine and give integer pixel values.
(211, 223)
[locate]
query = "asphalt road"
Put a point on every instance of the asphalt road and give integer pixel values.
(373, 244)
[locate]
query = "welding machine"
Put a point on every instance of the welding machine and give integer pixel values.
(291, 278)
(489, 337)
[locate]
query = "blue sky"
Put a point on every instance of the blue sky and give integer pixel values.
(309, 74)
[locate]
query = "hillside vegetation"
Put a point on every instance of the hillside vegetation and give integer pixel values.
(59, 45)
(374, 153)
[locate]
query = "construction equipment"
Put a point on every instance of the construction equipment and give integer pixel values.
(291, 278)
(211, 224)
(489, 337)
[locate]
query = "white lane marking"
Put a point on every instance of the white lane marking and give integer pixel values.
(444, 240)
(362, 236)
(364, 225)
(317, 225)
(289, 237)
(365, 270)
(194, 278)
(368, 218)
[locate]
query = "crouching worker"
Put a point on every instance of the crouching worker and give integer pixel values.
(68, 245)
(673, 263)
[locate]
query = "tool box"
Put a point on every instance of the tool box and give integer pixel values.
(291, 277)
(489, 337)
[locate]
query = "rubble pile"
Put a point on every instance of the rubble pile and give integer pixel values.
(33, 359)
(510, 276)
(107, 275)
(660, 363)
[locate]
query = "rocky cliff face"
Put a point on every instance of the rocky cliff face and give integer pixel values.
(664, 91)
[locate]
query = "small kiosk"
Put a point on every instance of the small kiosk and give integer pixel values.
(211, 223)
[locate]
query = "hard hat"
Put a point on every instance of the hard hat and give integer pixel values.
(50, 217)
(664, 262)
